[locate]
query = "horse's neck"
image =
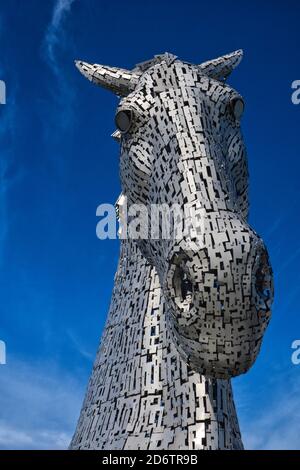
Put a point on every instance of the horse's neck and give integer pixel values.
(141, 393)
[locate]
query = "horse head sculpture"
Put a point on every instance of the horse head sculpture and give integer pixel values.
(181, 143)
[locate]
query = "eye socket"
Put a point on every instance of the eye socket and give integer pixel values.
(124, 120)
(237, 107)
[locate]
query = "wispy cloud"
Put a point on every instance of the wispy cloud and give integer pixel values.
(54, 32)
(276, 224)
(277, 424)
(80, 347)
(54, 46)
(290, 260)
(39, 406)
(11, 438)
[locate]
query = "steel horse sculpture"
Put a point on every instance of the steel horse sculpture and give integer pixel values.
(184, 317)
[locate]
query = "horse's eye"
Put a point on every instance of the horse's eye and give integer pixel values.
(124, 120)
(237, 108)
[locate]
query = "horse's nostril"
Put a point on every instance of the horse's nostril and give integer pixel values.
(263, 276)
(182, 286)
(186, 287)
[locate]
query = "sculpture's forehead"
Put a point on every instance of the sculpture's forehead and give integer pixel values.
(170, 75)
(178, 74)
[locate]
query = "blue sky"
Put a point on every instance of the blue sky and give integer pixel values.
(58, 163)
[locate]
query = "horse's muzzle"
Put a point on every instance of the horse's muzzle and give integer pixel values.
(219, 299)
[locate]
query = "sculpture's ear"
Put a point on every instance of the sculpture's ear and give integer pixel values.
(221, 67)
(119, 81)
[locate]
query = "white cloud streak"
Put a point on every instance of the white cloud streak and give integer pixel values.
(54, 31)
(39, 406)
(275, 426)
(54, 45)
(80, 347)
